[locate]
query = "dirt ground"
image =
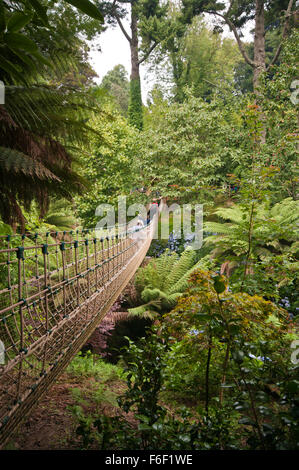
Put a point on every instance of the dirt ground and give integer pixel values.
(51, 425)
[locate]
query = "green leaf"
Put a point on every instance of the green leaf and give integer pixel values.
(12, 161)
(17, 21)
(41, 58)
(203, 316)
(184, 438)
(20, 41)
(219, 284)
(293, 386)
(238, 356)
(27, 60)
(144, 427)
(11, 69)
(2, 17)
(247, 421)
(158, 427)
(41, 11)
(88, 8)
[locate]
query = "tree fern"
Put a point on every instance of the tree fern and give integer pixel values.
(274, 232)
(182, 283)
(35, 129)
(179, 268)
(44, 122)
(61, 215)
(162, 282)
(12, 161)
(145, 311)
(164, 264)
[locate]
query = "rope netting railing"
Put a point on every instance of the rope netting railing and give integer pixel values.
(55, 289)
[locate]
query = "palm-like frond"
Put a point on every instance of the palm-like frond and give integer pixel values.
(182, 283)
(44, 116)
(36, 125)
(179, 268)
(145, 311)
(218, 228)
(274, 230)
(61, 215)
(286, 212)
(234, 214)
(12, 161)
(165, 264)
(162, 282)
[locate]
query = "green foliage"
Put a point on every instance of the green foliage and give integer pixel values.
(117, 84)
(109, 167)
(132, 327)
(61, 215)
(222, 347)
(18, 50)
(44, 121)
(161, 282)
(189, 149)
(37, 131)
(89, 400)
(135, 115)
(159, 429)
(5, 229)
(204, 60)
(243, 71)
(145, 365)
(88, 8)
(273, 237)
(156, 427)
(12, 161)
(210, 305)
(251, 335)
(247, 338)
(87, 366)
(282, 120)
(185, 374)
(271, 391)
(27, 241)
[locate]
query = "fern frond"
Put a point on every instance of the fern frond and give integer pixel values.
(163, 280)
(213, 239)
(169, 302)
(216, 227)
(179, 268)
(143, 311)
(182, 284)
(234, 214)
(17, 162)
(165, 264)
(286, 211)
(148, 295)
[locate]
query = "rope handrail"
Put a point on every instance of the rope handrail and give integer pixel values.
(56, 294)
(49, 232)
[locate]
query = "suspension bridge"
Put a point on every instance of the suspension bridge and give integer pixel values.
(56, 289)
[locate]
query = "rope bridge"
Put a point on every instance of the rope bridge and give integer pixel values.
(59, 286)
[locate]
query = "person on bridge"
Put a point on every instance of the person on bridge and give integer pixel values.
(152, 212)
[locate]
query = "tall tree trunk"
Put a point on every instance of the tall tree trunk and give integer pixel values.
(259, 44)
(135, 105)
(259, 60)
(134, 45)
